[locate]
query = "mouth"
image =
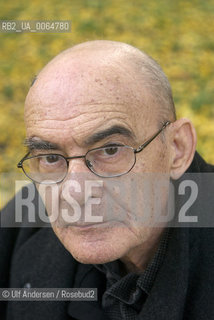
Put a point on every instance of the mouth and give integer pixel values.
(92, 225)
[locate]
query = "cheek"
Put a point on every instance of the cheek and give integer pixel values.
(50, 197)
(138, 200)
(155, 160)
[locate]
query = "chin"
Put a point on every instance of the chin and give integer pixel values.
(90, 253)
(86, 259)
(94, 247)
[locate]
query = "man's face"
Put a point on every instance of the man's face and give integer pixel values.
(74, 98)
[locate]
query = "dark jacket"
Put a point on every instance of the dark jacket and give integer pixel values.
(183, 289)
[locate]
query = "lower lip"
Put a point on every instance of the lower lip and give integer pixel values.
(91, 226)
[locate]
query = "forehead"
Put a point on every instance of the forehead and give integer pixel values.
(87, 91)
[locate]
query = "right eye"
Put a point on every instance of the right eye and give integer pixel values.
(51, 161)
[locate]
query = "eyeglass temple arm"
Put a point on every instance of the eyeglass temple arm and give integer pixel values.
(19, 165)
(143, 146)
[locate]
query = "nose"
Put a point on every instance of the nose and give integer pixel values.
(76, 183)
(77, 165)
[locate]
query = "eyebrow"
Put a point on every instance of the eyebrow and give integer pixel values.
(116, 129)
(37, 144)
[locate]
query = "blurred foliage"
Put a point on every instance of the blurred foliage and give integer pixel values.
(178, 34)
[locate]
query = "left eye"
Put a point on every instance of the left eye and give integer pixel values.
(111, 151)
(52, 158)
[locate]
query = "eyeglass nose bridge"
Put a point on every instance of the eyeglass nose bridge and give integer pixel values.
(87, 162)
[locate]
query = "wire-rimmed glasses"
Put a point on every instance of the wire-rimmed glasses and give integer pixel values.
(113, 160)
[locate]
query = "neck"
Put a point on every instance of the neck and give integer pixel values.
(138, 258)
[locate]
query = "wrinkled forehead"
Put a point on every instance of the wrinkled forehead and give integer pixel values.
(83, 83)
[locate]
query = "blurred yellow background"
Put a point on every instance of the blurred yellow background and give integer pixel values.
(178, 34)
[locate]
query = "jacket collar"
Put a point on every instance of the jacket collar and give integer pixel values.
(167, 296)
(87, 276)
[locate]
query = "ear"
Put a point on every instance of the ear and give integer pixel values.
(183, 144)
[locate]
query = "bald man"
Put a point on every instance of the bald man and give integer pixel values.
(101, 131)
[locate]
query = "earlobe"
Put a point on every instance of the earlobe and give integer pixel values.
(183, 143)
